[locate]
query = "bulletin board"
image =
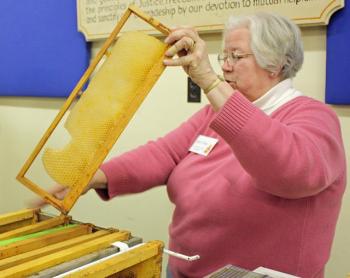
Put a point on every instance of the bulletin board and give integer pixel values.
(41, 51)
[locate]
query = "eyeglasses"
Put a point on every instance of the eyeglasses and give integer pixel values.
(231, 57)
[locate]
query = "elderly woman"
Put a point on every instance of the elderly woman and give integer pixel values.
(270, 192)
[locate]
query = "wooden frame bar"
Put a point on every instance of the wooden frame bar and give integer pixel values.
(46, 224)
(144, 260)
(76, 190)
(15, 220)
(11, 217)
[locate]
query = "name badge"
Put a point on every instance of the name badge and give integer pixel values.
(203, 145)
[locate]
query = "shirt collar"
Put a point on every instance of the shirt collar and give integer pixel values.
(277, 96)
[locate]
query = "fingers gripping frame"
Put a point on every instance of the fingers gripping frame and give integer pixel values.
(76, 190)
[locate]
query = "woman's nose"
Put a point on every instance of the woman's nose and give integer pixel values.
(226, 66)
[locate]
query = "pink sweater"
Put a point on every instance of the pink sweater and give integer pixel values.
(268, 194)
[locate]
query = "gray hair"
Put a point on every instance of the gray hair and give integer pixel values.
(275, 42)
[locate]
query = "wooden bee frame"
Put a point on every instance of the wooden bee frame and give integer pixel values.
(76, 190)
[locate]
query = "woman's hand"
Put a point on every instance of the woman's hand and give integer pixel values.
(98, 181)
(192, 56)
(58, 191)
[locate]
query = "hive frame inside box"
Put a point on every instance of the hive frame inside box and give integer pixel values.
(57, 252)
(76, 190)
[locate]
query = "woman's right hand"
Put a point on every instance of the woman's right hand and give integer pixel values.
(98, 181)
(192, 55)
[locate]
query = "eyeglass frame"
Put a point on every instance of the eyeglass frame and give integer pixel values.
(232, 57)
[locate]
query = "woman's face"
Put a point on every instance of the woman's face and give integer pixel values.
(245, 75)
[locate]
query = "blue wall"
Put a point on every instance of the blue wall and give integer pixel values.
(41, 51)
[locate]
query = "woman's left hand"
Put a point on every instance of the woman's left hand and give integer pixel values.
(192, 55)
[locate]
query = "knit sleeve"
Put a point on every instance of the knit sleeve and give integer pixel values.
(295, 152)
(151, 164)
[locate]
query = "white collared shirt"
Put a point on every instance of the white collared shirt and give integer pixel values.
(277, 96)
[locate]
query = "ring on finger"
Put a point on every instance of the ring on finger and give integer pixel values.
(192, 46)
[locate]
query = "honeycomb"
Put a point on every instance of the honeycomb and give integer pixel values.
(105, 101)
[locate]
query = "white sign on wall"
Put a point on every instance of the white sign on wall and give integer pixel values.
(97, 18)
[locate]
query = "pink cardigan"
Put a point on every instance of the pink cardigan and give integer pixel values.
(268, 194)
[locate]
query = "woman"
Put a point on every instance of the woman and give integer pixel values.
(269, 192)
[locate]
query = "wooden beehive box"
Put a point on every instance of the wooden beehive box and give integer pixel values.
(32, 243)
